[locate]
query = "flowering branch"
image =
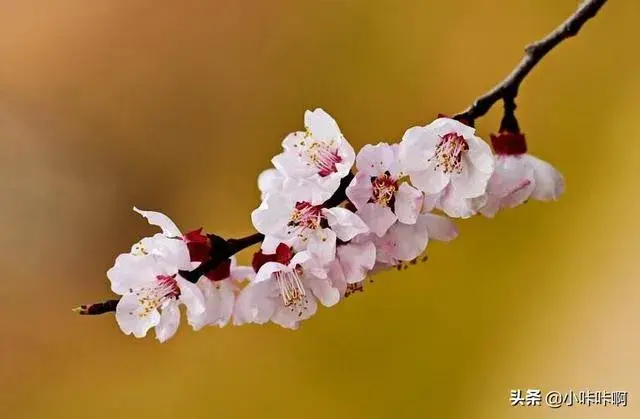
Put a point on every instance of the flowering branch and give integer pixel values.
(508, 88)
(331, 218)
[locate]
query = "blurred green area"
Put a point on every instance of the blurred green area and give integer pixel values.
(178, 105)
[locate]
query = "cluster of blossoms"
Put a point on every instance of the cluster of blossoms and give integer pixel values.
(325, 228)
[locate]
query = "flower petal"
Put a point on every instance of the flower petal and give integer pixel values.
(132, 319)
(439, 227)
(270, 181)
(322, 245)
(324, 291)
(378, 218)
(549, 183)
(345, 223)
(374, 160)
(360, 190)
(267, 270)
(356, 260)
(169, 321)
(169, 229)
(272, 216)
(408, 203)
(321, 124)
(191, 297)
(431, 180)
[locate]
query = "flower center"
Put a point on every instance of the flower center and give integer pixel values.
(305, 217)
(322, 155)
(150, 298)
(384, 188)
(291, 288)
(449, 153)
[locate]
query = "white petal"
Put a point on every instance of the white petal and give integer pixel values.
(378, 218)
(290, 165)
(169, 321)
(345, 223)
(442, 126)
(455, 206)
(360, 190)
(480, 154)
(470, 182)
(132, 319)
(270, 181)
(321, 124)
(130, 272)
(191, 297)
(259, 306)
(374, 160)
(169, 229)
(267, 270)
(431, 180)
(418, 145)
(300, 258)
(549, 183)
(408, 203)
(322, 245)
(272, 216)
(439, 227)
(269, 244)
(241, 273)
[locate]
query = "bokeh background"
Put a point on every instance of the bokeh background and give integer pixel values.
(178, 105)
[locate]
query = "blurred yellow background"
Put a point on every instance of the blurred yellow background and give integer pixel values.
(178, 105)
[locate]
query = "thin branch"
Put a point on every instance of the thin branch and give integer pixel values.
(508, 88)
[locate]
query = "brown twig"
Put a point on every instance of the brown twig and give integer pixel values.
(508, 88)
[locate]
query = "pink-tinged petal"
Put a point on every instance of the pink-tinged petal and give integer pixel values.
(272, 216)
(169, 321)
(220, 301)
(411, 240)
(168, 227)
(378, 218)
(267, 270)
(431, 180)
(480, 155)
(345, 223)
(132, 319)
(324, 291)
(520, 194)
(455, 206)
(549, 183)
(336, 276)
(418, 145)
(314, 189)
(322, 245)
(356, 260)
(270, 181)
(430, 202)
(290, 319)
(408, 203)
(491, 206)
(374, 160)
(360, 190)
(191, 297)
(439, 227)
(470, 182)
(320, 124)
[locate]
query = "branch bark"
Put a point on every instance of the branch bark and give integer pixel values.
(508, 88)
